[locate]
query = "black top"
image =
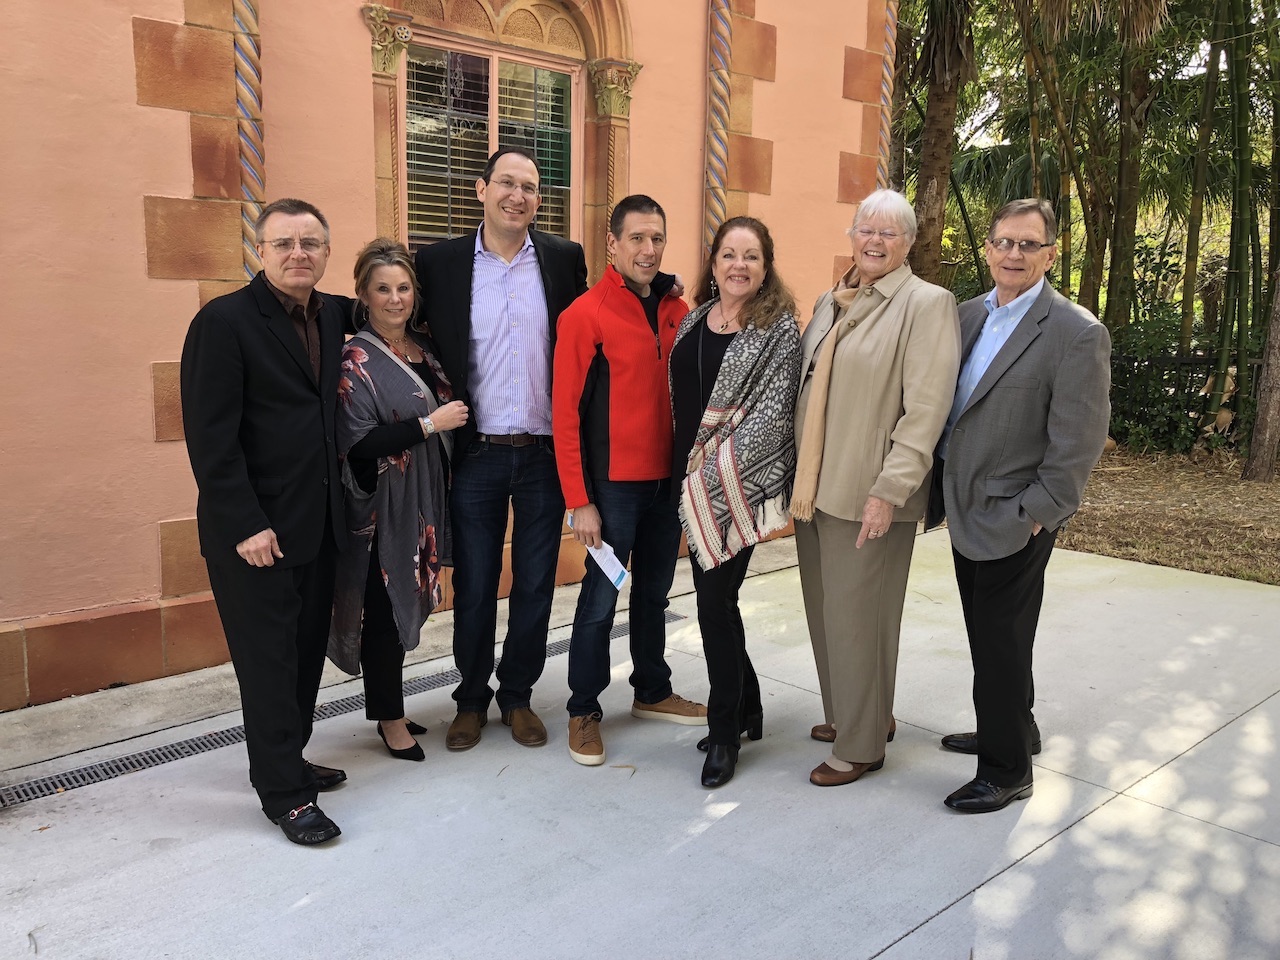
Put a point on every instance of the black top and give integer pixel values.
(389, 439)
(690, 392)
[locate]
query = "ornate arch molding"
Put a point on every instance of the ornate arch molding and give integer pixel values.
(595, 32)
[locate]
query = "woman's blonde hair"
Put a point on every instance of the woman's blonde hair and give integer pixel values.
(383, 252)
(772, 300)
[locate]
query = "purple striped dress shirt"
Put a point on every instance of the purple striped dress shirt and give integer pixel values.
(510, 349)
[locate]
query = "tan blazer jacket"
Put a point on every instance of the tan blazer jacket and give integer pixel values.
(898, 372)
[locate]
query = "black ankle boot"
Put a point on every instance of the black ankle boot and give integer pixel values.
(718, 768)
(752, 729)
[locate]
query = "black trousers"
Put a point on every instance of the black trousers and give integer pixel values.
(276, 620)
(1001, 601)
(381, 653)
(735, 690)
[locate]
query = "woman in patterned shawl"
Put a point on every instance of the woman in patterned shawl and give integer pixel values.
(735, 370)
(395, 408)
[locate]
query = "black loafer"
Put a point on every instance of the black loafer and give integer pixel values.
(983, 796)
(307, 825)
(968, 742)
(325, 778)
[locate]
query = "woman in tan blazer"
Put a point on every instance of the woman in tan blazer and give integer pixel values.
(879, 365)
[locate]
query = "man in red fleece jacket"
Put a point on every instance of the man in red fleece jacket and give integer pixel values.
(611, 418)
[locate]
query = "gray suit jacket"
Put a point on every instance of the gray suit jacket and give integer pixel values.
(1023, 446)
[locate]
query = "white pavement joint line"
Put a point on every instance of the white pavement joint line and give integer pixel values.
(53, 784)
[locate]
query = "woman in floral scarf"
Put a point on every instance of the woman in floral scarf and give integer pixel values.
(735, 370)
(395, 408)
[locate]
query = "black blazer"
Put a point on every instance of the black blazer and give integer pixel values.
(259, 429)
(444, 276)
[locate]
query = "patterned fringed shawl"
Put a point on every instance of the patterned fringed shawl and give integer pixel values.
(743, 461)
(408, 510)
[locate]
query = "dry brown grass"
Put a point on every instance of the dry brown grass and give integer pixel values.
(1193, 513)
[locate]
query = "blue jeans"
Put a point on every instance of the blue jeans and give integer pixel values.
(487, 478)
(639, 520)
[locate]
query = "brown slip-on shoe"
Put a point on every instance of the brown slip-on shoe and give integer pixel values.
(826, 732)
(526, 728)
(464, 732)
(824, 776)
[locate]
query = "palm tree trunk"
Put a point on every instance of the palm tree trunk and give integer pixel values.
(1195, 216)
(1033, 127)
(937, 146)
(1265, 442)
(1064, 229)
(1272, 10)
(1135, 90)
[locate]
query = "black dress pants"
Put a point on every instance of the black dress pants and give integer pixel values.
(1001, 601)
(276, 620)
(735, 690)
(381, 653)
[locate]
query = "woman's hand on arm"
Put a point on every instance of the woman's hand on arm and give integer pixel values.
(877, 514)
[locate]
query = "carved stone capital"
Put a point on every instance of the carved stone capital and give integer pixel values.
(391, 34)
(613, 80)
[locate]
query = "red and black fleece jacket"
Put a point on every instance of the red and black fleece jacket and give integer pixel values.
(610, 403)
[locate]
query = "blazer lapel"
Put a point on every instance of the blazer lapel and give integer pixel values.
(1027, 330)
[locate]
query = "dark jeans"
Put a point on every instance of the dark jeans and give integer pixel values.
(735, 691)
(1001, 602)
(487, 480)
(381, 653)
(276, 621)
(639, 520)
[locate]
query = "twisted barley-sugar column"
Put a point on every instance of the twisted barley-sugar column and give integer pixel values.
(249, 116)
(719, 57)
(886, 93)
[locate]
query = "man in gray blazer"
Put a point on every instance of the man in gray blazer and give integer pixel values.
(1027, 426)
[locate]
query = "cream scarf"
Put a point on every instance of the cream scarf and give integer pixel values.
(809, 459)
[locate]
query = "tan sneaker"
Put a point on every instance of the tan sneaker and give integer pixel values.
(674, 709)
(585, 744)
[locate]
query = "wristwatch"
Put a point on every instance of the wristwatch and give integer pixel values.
(427, 426)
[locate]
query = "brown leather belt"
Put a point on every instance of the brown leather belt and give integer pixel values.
(511, 439)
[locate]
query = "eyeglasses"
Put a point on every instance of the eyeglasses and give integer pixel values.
(866, 233)
(285, 246)
(510, 186)
(1028, 247)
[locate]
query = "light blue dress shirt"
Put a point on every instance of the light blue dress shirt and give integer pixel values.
(996, 330)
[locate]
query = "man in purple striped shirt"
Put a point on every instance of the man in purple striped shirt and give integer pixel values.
(492, 299)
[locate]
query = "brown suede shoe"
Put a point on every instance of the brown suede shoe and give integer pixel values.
(525, 726)
(826, 732)
(824, 776)
(464, 732)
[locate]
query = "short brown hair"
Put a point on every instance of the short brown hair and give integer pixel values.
(772, 300)
(1016, 208)
(290, 207)
(384, 252)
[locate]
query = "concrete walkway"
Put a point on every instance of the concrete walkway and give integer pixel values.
(1154, 831)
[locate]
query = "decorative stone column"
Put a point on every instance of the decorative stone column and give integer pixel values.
(886, 93)
(253, 178)
(608, 151)
(390, 35)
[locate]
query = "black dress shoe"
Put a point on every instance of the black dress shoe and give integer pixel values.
(968, 742)
(416, 729)
(325, 778)
(402, 753)
(307, 825)
(717, 769)
(983, 796)
(752, 729)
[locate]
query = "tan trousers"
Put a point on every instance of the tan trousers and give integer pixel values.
(853, 603)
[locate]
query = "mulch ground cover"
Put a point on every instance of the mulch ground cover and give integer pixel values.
(1191, 512)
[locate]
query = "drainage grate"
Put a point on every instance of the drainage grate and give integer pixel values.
(49, 786)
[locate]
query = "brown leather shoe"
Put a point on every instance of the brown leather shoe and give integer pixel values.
(824, 776)
(525, 726)
(464, 732)
(826, 732)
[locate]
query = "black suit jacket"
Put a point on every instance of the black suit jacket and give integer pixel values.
(259, 428)
(444, 276)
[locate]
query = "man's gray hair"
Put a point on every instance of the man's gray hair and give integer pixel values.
(1015, 208)
(890, 205)
(290, 207)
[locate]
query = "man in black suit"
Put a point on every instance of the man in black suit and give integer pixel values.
(259, 388)
(492, 298)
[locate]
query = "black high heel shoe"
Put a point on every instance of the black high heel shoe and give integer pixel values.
(408, 753)
(717, 769)
(753, 729)
(417, 729)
